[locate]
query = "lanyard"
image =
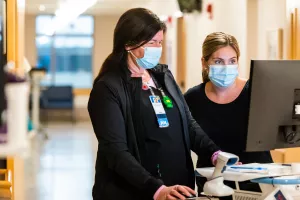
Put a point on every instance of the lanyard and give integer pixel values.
(166, 100)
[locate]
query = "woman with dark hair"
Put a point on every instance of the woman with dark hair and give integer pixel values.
(144, 128)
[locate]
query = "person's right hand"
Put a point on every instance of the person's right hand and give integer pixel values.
(175, 192)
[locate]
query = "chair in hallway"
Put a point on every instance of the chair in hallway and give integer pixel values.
(58, 98)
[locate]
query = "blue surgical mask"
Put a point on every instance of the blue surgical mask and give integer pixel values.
(151, 57)
(223, 75)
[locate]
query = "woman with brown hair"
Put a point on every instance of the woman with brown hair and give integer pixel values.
(220, 104)
(144, 128)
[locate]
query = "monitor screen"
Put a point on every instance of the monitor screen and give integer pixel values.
(274, 116)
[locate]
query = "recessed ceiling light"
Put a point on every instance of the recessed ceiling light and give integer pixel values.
(42, 8)
(178, 14)
(163, 17)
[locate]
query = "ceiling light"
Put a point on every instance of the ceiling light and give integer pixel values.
(163, 18)
(68, 12)
(178, 14)
(42, 8)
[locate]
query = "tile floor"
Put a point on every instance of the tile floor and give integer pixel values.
(64, 165)
(65, 168)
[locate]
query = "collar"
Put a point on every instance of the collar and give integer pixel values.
(160, 69)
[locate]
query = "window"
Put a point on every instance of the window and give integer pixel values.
(67, 55)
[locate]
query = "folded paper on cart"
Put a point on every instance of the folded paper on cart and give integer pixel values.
(253, 171)
(260, 168)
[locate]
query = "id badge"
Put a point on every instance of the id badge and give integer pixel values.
(159, 111)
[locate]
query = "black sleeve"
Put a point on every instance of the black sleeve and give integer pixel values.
(204, 156)
(201, 144)
(109, 127)
(188, 98)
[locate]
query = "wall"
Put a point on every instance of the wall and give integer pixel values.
(231, 17)
(271, 15)
(252, 31)
(30, 50)
(198, 27)
(171, 45)
(104, 28)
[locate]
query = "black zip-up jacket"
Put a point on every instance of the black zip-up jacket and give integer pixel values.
(114, 108)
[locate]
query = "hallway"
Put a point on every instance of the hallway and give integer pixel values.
(66, 168)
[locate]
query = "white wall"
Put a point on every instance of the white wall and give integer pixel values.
(247, 20)
(30, 33)
(271, 15)
(171, 45)
(252, 32)
(231, 18)
(198, 27)
(103, 40)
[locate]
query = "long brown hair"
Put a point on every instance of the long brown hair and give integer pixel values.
(214, 42)
(135, 28)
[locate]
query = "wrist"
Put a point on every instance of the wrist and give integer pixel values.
(158, 191)
(214, 157)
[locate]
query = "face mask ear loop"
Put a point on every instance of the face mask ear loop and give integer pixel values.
(132, 54)
(129, 51)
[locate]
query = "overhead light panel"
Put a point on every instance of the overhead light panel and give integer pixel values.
(163, 18)
(42, 8)
(67, 12)
(178, 14)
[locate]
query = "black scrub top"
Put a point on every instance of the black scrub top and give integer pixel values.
(225, 124)
(164, 154)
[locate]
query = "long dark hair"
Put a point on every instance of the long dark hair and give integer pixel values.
(135, 28)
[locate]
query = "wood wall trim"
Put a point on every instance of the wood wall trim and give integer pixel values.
(81, 91)
(280, 44)
(297, 32)
(294, 32)
(11, 30)
(181, 53)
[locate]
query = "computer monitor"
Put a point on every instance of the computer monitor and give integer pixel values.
(274, 116)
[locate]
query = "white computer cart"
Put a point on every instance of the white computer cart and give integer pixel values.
(279, 184)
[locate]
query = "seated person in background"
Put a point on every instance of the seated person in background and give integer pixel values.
(221, 103)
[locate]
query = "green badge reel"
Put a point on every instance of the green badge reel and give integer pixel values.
(168, 102)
